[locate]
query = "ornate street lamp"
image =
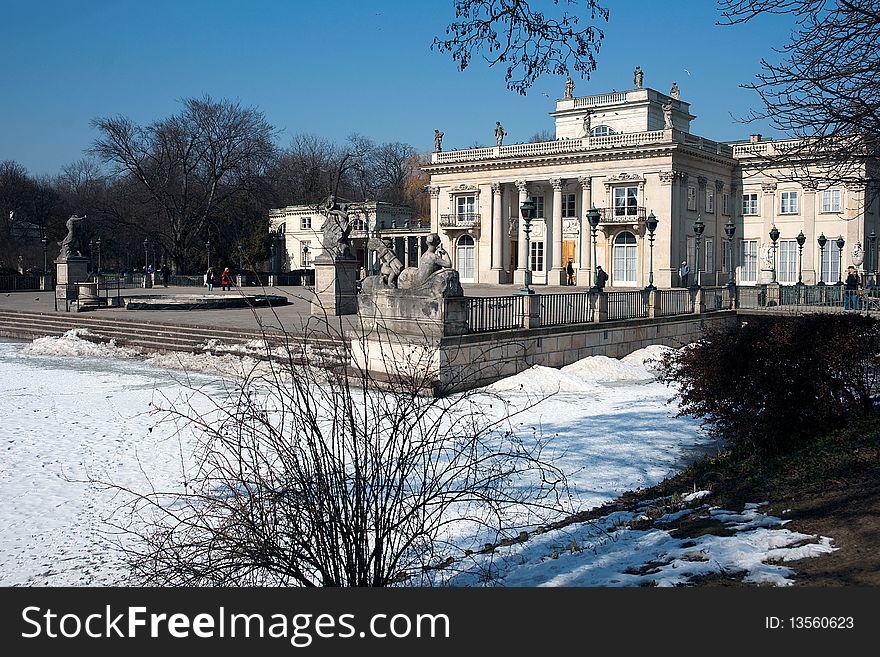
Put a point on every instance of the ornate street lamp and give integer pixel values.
(208, 248)
(699, 227)
(593, 218)
(526, 209)
(45, 242)
(98, 244)
(774, 235)
(840, 244)
(651, 224)
(822, 240)
(801, 239)
(273, 263)
(146, 257)
(730, 231)
(91, 249)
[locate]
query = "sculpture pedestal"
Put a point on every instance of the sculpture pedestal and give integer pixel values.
(72, 270)
(335, 287)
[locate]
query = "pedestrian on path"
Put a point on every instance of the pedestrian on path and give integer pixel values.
(226, 279)
(209, 279)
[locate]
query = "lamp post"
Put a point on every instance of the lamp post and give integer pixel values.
(593, 217)
(699, 227)
(208, 249)
(91, 249)
(822, 240)
(98, 244)
(651, 224)
(801, 239)
(526, 209)
(273, 263)
(730, 231)
(774, 235)
(305, 261)
(45, 242)
(840, 244)
(146, 257)
(872, 255)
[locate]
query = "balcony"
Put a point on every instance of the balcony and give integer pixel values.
(629, 215)
(463, 220)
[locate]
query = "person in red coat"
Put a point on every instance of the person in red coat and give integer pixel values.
(226, 279)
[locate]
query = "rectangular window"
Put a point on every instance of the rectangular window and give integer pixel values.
(568, 205)
(725, 204)
(692, 198)
(465, 207)
(830, 263)
(725, 256)
(710, 201)
(539, 206)
(748, 261)
(305, 223)
(750, 204)
(787, 256)
(626, 201)
(709, 258)
(788, 203)
(831, 200)
(537, 249)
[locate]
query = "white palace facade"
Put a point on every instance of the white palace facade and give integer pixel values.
(630, 154)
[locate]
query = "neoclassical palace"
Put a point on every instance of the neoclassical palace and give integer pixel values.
(631, 154)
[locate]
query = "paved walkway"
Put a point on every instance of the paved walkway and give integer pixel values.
(295, 317)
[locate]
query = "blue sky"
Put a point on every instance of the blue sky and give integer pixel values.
(336, 68)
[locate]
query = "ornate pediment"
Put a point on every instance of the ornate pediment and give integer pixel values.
(624, 177)
(464, 187)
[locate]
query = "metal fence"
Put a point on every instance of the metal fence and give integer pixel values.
(627, 305)
(566, 308)
(674, 302)
(494, 313)
(13, 282)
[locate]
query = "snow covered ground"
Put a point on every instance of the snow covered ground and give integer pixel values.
(72, 410)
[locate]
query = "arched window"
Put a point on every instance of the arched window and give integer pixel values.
(601, 131)
(464, 258)
(624, 260)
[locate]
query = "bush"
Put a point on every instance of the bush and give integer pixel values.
(769, 383)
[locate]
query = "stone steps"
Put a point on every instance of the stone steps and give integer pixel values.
(151, 336)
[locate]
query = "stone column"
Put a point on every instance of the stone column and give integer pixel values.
(435, 208)
(666, 212)
(584, 272)
(810, 266)
(557, 273)
(497, 234)
(519, 274)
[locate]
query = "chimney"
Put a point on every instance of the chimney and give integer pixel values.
(754, 138)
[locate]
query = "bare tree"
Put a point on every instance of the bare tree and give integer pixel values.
(825, 90)
(188, 163)
(316, 477)
(529, 42)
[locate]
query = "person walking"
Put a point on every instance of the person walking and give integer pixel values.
(209, 279)
(569, 270)
(684, 272)
(601, 278)
(166, 274)
(851, 289)
(226, 279)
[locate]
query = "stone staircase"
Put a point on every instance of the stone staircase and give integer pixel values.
(151, 336)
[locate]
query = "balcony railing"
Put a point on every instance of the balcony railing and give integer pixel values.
(621, 140)
(460, 220)
(626, 215)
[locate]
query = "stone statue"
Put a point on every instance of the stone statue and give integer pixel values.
(674, 92)
(858, 254)
(638, 77)
(667, 116)
(71, 244)
(587, 119)
(569, 88)
(499, 133)
(434, 277)
(767, 258)
(391, 264)
(438, 140)
(336, 230)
